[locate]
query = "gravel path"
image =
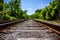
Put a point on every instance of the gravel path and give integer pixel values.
(28, 30)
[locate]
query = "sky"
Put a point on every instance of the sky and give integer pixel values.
(32, 5)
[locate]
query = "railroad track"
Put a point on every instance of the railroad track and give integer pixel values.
(28, 30)
(6, 24)
(53, 27)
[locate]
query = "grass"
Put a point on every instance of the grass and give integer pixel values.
(52, 22)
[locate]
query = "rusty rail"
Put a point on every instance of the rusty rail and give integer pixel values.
(7, 24)
(53, 27)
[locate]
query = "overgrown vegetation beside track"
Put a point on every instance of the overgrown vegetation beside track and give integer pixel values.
(12, 10)
(51, 12)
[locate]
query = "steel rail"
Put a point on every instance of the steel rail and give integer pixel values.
(53, 27)
(5, 25)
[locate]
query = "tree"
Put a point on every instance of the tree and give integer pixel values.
(50, 12)
(1, 5)
(24, 15)
(15, 6)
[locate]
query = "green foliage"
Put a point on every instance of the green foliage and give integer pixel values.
(50, 12)
(1, 5)
(12, 10)
(24, 15)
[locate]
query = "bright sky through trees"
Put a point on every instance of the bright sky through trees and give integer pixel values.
(32, 5)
